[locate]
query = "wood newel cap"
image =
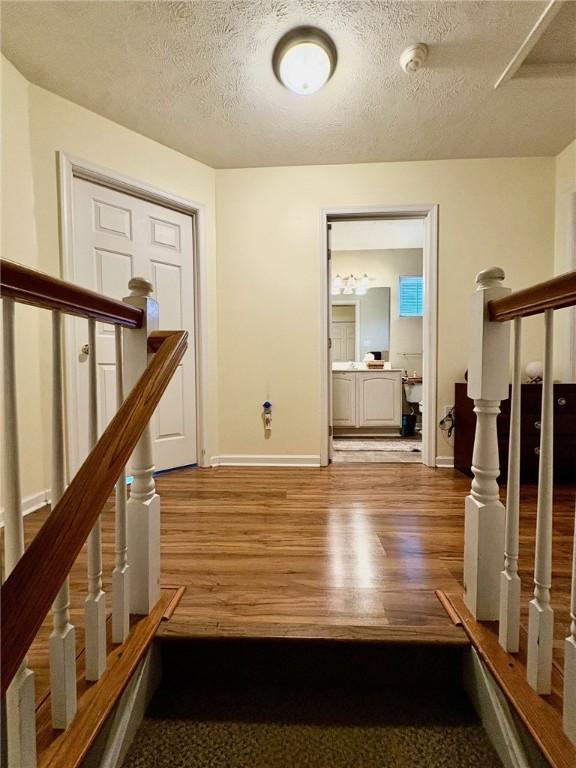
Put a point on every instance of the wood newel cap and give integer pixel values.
(139, 286)
(490, 277)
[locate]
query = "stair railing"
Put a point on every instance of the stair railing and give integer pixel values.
(492, 588)
(36, 578)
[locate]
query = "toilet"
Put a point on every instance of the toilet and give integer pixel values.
(413, 392)
(414, 395)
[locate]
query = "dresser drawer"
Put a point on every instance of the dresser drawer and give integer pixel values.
(564, 458)
(564, 424)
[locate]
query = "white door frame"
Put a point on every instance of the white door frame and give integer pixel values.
(571, 245)
(428, 212)
(337, 302)
(69, 168)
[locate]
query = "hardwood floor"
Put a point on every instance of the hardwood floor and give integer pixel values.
(301, 552)
(346, 552)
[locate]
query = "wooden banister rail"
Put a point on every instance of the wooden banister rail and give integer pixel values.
(27, 286)
(32, 586)
(557, 293)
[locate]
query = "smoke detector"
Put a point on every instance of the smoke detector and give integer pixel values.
(414, 57)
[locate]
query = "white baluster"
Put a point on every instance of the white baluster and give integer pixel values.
(121, 573)
(510, 585)
(20, 696)
(541, 615)
(484, 513)
(570, 659)
(95, 607)
(63, 637)
(143, 507)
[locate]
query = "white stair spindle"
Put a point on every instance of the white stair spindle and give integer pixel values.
(143, 508)
(20, 696)
(510, 585)
(63, 636)
(488, 373)
(95, 607)
(570, 658)
(121, 573)
(541, 615)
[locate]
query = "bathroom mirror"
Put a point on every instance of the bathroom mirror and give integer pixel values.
(361, 324)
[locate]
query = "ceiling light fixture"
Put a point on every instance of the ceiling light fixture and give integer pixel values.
(304, 60)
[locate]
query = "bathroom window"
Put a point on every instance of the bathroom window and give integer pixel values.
(411, 296)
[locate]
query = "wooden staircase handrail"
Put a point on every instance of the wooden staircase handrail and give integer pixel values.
(557, 293)
(31, 587)
(27, 286)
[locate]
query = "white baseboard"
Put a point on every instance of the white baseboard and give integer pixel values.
(264, 460)
(30, 504)
(445, 462)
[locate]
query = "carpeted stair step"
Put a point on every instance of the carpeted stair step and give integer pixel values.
(309, 705)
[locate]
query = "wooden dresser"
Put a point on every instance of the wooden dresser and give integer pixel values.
(564, 432)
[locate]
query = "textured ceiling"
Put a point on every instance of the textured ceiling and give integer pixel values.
(197, 77)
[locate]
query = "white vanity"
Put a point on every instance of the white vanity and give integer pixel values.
(366, 398)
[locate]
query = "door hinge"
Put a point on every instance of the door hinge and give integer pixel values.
(329, 343)
(330, 430)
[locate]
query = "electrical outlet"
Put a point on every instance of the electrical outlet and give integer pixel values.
(447, 409)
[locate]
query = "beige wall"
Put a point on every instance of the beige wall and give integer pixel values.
(39, 124)
(565, 255)
(19, 243)
(384, 268)
(491, 212)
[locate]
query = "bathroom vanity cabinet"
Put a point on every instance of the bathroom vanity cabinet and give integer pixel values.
(367, 398)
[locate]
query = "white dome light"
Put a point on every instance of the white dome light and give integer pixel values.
(304, 60)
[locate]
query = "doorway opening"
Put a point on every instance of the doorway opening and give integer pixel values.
(379, 317)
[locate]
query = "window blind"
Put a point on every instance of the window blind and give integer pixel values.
(411, 296)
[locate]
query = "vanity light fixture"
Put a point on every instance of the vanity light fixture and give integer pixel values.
(349, 285)
(363, 286)
(304, 60)
(337, 285)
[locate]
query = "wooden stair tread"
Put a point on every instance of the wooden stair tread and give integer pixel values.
(67, 749)
(186, 628)
(540, 716)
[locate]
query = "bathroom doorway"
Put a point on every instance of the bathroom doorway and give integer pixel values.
(380, 305)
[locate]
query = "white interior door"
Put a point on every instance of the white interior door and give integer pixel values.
(116, 237)
(343, 341)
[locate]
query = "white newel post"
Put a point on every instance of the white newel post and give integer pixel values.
(20, 697)
(143, 509)
(63, 636)
(488, 377)
(570, 658)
